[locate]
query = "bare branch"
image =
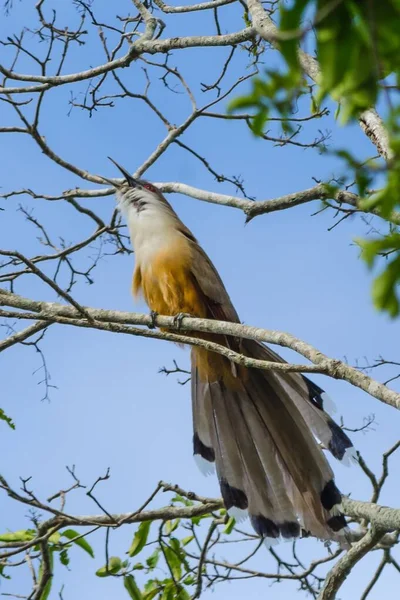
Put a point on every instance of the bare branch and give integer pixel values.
(20, 336)
(192, 8)
(142, 46)
(343, 567)
(370, 121)
(121, 322)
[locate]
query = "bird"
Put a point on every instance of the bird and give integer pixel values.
(264, 432)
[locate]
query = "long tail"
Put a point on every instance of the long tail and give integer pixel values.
(260, 432)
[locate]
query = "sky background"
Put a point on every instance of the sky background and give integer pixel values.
(284, 271)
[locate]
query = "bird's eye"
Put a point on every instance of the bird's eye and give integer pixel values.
(150, 187)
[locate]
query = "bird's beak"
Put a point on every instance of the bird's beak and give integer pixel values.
(130, 180)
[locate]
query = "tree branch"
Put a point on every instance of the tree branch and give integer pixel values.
(251, 208)
(343, 567)
(20, 336)
(121, 322)
(142, 46)
(370, 121)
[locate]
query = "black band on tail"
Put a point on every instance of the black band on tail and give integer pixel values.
(339, 442)
(204, 451)
(330, 495)
(264, 527)
(289, 529)
(337, 522)
(233, 496)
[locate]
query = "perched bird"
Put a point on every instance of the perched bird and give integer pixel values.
(261, 429)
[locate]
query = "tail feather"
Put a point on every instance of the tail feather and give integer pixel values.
(262, 463)
(311, 400)
(306, 471)
(259, 432)
(203, 450)
(247, 483)
(231, 471)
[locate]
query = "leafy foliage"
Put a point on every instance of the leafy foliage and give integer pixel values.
(384, 287)
(8, 420)
(168, 556)
(75, 538)
(357, 46)
(55, 546)
(140, 538)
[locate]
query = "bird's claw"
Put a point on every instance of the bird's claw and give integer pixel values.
(153, 316)
(179, 318)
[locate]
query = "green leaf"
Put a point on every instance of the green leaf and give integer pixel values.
(8, 420)
(114, 566)
(196, 520)
(152, 560)
(337, 111)
(2, 574)
(168, 591)
(187, 540)
(290, 23)
(182, 594)
(131, 587)
(181, 555)
(174, 562)
(151, 595)
(140, 538)
(372, 248)
(151, 584)
(64, 558)
(23, 535)
(183, 500)
(246, 19)
(229, 526)
(170, 526)
(257, 124)
(55, 538)
(152, 588)
(384, 288)
(81, 542)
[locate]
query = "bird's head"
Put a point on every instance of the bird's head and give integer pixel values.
(151, 220)
(137, 195)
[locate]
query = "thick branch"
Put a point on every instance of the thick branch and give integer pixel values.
(261, 207)
(165, 513)
(370, 121)
(121, 322)
(387, 519)
(250, 208)
(352, 508)
(141, 46)
(193, 7)
(343, 567)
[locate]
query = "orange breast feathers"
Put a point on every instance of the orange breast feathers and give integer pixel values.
(167, 284)
(169, 288)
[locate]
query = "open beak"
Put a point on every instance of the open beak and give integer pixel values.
(131, 181)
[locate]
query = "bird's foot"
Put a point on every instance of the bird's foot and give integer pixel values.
(179, 318)
(153, 316)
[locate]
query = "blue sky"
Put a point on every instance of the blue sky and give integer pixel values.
(284, 271)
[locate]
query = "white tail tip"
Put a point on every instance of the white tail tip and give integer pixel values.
(328, 404)
(269, 542)
(205, 467)
(350, 457)
(239, 514)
